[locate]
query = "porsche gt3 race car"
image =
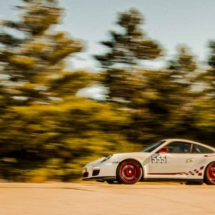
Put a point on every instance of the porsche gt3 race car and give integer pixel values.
(169, 159)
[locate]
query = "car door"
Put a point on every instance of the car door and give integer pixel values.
(176, 162)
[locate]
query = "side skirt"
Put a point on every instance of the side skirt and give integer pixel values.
(173, 180)
(100, 179)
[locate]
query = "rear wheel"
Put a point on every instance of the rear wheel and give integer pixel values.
(210, 174)
(129, 172)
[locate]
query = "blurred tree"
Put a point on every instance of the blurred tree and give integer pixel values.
(161, 99)
(211, 60)
(182, 72)
(127, 49)
(47, 132)
(183, 68)
(67, 83)
(54, 142)
(155, 108)
(38, 52)
(204, 119)
(156, 100)
(183, 75)
(131, 45)
(204, 107)
(208, 77)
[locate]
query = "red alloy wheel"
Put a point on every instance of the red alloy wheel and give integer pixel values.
(210, 174)
(129, 172)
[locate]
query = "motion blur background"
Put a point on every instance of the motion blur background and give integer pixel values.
(106, 80)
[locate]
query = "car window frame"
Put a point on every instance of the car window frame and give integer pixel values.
(179, 141)
(159, 144)
(212, 151)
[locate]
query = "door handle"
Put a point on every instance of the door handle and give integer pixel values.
(189, 160)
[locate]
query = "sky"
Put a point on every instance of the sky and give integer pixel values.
(170, 22)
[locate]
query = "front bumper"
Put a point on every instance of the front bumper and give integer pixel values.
(100, 171)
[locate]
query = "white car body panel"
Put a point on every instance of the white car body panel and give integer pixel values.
(155, 165)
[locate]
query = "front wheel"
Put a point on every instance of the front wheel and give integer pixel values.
(129, 172)
(210, 174)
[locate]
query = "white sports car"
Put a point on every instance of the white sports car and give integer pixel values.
(169, 159)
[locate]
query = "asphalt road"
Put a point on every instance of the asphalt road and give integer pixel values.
(104, 199)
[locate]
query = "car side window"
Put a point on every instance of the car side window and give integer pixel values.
(201, 149)
(179, 147)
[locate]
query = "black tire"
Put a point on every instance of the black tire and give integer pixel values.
(113, 182)
(129, 171)
(210, 174)
(193, 183)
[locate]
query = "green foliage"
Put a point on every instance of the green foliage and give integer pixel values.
(39, 53)
(48, 133)
(130, 46)
(207, 78)
(127, 49)
(59, 138)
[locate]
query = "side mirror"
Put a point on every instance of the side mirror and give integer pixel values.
(163, 150)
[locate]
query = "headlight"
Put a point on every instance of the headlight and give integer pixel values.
(107, 158)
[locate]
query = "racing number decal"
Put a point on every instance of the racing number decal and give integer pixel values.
(158, 159)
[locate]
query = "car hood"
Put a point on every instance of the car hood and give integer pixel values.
(121, 156)
(131, 155)
(95, 162)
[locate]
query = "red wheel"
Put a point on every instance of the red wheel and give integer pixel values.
(129, 172)
(210, 174)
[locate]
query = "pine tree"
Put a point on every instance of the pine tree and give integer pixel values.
(131, 45)
(208, 77)
(54, 141)
(163, 99)
(204, 114)
(127, 48)
(183, 76)
(38, 52)
(183, 67)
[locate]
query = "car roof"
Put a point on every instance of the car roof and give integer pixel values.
(190, 141)
(179, 139)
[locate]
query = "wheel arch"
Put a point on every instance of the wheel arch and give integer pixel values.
(134, 159)
(206, 167)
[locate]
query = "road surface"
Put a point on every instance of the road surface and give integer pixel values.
(104, 199)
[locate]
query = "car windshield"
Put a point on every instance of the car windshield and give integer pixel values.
(154, 146)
